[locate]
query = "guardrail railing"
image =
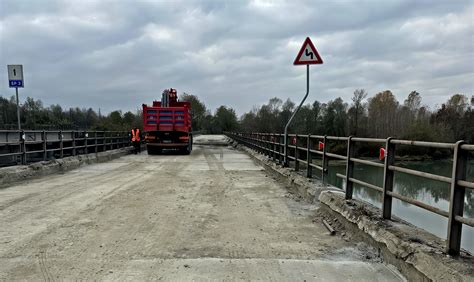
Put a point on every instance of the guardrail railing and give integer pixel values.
(302, 149)
(26, 146)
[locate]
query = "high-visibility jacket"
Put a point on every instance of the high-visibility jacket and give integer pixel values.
(136, 135)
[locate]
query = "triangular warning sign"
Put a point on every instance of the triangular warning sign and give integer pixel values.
(308, 55)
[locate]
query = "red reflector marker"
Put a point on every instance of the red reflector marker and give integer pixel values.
(321, 145)
(293, 141)
(382, 154)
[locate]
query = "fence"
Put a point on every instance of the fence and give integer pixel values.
(26, 146)
(301, 149)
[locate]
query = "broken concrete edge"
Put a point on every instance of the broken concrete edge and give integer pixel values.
(418, 254)
(15, 174)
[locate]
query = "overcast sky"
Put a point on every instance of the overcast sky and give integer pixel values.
(120, 54)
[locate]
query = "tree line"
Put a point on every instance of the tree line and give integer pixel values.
(379, 116)
(34, 116)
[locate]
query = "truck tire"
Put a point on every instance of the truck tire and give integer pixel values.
(188, 149)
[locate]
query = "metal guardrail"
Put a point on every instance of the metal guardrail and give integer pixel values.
(26, 146)
(303, 149)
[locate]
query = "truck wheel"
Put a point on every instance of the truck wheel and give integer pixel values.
(189, 148)
(185, 150)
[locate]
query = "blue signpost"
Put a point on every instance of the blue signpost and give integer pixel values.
(15, 80)
(16, 83)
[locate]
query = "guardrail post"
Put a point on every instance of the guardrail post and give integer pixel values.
(388, 176)
(273, 146)
(255, 141)
(268, 145)
(86, 135)
(297, 154)
(286, 162)
(325, 161)
(44, 145)
(104, 140)
(349, 168)
(250, 140)
(281, 149)
(61, 144)
(23, 147)
(95, 141)
(456, 203)
(73, 143)
(259, 143)
(309, 157)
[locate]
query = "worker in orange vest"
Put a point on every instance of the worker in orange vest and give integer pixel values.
(136, 140)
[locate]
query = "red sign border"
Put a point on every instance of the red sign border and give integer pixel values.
(297, 60)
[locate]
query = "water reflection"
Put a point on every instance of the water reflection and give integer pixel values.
(431, 192)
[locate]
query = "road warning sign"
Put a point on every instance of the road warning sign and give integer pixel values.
(308, 55)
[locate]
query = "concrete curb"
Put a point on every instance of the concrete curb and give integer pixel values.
(14, 174)
(419, 255)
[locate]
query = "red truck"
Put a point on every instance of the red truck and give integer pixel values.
(167, 124)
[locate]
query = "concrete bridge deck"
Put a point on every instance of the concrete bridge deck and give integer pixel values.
(213, 214)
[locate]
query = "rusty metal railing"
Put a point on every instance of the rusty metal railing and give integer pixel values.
(26, 146)
(303, 148)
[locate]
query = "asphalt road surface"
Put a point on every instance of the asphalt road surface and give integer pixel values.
(214, 214)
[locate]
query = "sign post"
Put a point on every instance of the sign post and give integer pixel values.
(15, 80)
(308, 55)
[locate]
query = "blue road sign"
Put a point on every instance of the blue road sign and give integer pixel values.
(16, 83)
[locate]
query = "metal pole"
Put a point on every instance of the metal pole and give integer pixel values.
(297, 154)
(349, 168)
(18, 108)
(293, 115)
(325, 161)
(388, 179)
(456, 203)
(309, 157)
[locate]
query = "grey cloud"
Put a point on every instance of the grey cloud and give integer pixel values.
(118, 55)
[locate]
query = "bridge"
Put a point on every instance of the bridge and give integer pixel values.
(220, 213)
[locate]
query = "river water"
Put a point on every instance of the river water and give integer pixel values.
(431, 192)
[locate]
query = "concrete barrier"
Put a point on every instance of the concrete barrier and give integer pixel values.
(13, 174)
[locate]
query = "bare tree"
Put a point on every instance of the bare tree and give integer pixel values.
(359, 96)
